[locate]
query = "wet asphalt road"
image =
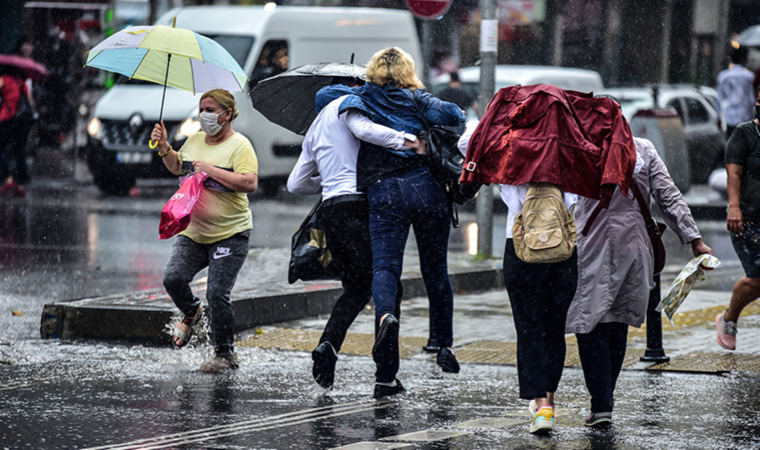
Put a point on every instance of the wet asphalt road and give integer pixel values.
(113, 396)
(65, 241)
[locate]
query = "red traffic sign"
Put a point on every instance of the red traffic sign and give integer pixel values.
(428, 9)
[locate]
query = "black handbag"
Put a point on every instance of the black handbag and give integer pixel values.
(446, 161)
(654, 229)
(310, 259)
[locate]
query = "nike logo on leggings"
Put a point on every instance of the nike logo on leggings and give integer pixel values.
(221, 252)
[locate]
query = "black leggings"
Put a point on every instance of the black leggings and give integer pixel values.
(224, 260)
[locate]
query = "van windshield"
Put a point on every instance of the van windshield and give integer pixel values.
(238, 46)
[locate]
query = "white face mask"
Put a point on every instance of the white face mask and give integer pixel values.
(210, 122)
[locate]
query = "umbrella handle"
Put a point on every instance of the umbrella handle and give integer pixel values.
(153, 144)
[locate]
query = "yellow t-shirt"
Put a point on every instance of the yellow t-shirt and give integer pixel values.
(219, 212)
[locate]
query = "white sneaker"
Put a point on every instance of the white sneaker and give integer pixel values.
(543, 421)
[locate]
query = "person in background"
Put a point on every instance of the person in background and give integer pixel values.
(615, 275)
(743, 168)
(327, 165)
(221, 224)
(735, 92)
(454, 93)
(17, 117)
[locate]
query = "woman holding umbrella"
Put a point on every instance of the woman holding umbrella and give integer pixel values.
(219, 231)
(17, 117)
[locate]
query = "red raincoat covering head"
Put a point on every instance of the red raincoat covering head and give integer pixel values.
(542, 133)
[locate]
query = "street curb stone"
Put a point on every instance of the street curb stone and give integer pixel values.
(143, 316)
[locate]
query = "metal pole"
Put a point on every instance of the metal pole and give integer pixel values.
(655, 352)
(427, 51)
(667, 21)
(489, 38)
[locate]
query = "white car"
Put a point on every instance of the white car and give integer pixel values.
(705, 140)
(563, 77)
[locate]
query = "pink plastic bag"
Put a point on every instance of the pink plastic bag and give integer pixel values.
(176, 215)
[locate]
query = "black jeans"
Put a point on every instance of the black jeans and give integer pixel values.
(602, 354)
(346, 227)
(540, 295)
(224, 260)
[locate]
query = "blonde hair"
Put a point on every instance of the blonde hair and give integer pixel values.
(225, 100)
(393, 65)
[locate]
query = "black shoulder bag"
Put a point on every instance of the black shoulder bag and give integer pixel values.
(446, 163)
(310, 259)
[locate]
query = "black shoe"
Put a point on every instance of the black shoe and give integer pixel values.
(324, 358)
(447, 360)
(431, 347)
(382, 390)
(388, 333)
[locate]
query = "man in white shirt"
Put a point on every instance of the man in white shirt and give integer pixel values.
(331, 147)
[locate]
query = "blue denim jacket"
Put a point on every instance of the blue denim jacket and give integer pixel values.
(394, 107)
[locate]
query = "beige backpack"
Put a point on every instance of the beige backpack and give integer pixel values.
(545, 230)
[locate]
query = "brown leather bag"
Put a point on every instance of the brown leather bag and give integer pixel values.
(654, 229)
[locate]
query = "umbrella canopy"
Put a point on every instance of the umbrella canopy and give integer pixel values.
(750, 37)
(288, 99)
(197, 63)
(29, 68)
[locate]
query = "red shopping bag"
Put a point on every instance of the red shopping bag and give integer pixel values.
(178, 211)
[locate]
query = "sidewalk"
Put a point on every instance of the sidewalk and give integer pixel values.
(292, 316)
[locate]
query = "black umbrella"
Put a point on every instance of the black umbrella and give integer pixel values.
(288, 99)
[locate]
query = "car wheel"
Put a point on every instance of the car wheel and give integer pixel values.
(115, 185)
(108, 180)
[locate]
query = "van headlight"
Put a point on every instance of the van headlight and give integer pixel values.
(188, 128)
(95, 128)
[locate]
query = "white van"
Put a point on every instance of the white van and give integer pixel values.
(265, 40)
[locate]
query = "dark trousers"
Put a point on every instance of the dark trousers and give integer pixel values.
(14, 136)
(540, 295)
(224, 260)
(602, 354)
(346, 227)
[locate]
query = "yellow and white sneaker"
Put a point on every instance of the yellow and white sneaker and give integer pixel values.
(543, 421)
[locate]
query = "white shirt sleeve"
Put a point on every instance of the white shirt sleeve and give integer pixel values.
(464, 140)
(301, 179)
(368, 131)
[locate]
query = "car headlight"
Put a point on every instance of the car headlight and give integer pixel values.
(95, 128)
(187, 129)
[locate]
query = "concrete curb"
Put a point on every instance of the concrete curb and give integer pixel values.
(142, 316)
